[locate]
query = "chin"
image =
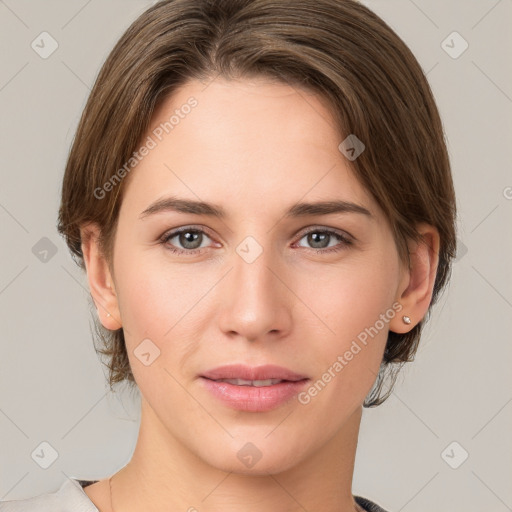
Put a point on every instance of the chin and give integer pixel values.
(258, 458)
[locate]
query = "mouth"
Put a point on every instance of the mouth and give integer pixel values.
(265, 375)
(254, 383)
(253, 389)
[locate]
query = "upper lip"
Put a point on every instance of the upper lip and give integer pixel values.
(240, 371)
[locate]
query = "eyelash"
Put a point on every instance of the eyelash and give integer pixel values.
(345, 241)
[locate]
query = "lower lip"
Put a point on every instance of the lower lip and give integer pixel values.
(252, 398)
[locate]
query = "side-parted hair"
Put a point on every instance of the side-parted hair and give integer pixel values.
(338, 49)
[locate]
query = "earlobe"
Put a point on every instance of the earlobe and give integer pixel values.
(417, 284)
(100, 280)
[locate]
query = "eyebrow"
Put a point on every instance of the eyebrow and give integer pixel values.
(298, 210)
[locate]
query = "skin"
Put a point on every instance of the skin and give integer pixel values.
(255, 148)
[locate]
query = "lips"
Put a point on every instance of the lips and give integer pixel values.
(253, 389)
(246, 375)
(256, 383)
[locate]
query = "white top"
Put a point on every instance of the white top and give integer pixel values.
(71, 497)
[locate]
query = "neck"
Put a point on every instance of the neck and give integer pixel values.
(164, 475)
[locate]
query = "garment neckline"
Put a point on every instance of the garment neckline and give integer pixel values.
(83, 483)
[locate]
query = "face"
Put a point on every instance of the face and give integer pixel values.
(309, 290)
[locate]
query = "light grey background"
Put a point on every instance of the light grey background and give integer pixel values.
(52, 386)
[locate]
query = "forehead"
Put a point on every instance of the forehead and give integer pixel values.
(253, 142)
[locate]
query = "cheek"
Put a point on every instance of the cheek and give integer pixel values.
(350, 297)
(153, 309)
(152, 295)
(353, 304)
(159, 303)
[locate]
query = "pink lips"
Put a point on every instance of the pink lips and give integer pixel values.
(239, 371)
(251, 398)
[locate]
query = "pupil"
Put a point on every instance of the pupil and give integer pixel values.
(189, 237)
(318, 238)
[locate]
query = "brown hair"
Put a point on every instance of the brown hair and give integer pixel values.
(338, 49)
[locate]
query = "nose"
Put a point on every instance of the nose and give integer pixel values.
(255, 301)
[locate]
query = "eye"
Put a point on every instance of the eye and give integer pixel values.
(320, 239)
(190, 238)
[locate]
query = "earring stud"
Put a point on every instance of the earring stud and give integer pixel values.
(406, 319)
(108, 314)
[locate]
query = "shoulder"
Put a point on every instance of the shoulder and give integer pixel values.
(368, 505)
(70, 497)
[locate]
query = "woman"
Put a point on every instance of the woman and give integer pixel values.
(261, 197)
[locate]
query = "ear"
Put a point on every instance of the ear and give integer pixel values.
(101, 284)
(417, 283)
